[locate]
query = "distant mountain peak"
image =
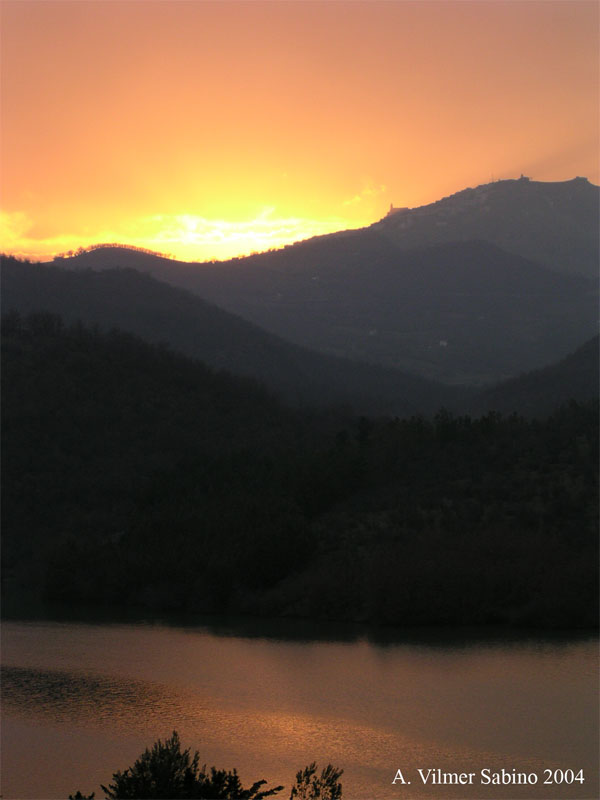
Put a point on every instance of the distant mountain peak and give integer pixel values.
(555, 223)
(474, 194)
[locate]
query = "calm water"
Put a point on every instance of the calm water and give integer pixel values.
(81, 700)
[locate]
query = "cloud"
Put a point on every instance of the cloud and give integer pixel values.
(187, 236)
(223, 238)
(368, 192)
(13, 227)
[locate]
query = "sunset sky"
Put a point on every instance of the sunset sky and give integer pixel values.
(209, 129)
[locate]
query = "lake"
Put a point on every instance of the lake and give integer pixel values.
(82, 699)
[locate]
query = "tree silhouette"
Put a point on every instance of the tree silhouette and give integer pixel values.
(310, 786)
(167, 772)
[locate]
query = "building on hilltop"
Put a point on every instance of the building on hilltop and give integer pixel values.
(396, 210)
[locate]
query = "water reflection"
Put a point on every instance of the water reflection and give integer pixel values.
(79, 698)
(268, 705)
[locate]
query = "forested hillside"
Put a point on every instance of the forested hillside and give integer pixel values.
(134, 476)
(91, 418)
(538, 393)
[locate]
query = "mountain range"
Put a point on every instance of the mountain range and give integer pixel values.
(479, 287)
(132, 301)
(553, 223)
(135, 475)
(128, 300)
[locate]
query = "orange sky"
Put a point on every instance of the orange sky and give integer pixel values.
(207, 129)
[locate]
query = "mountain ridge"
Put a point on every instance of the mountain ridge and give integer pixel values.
(301, 377)
(553, 222)
(575, 198)
(366, 299)
(138, 303)
(454, 302)
(541, 392)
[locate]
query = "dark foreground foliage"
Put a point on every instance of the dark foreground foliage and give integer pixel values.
(310, 786)
(166, 772)
(136, 477)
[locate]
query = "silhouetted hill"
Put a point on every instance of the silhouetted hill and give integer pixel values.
(557, 224)
(464, 312)
(460, 290)
(136, 302)
(539, 393)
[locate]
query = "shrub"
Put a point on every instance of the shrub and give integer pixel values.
(165, 772)
(309, 786)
